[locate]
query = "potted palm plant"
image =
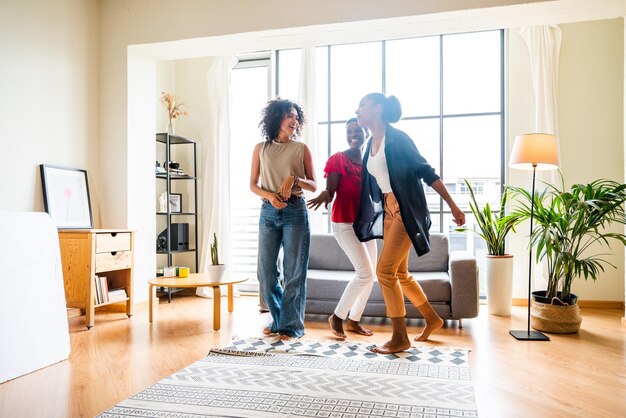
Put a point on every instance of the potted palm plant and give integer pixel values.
(569, 223)
(493, 227)
(215, 270)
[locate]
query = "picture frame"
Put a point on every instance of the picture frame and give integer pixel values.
(176, 202)
(66, 196)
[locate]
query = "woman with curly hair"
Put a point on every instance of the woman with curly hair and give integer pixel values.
(282, 168)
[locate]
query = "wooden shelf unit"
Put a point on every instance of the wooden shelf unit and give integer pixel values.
(86, 253)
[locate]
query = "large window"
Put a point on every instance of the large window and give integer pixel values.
(451, 91)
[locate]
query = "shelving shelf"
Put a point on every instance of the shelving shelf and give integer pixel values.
(170, 140)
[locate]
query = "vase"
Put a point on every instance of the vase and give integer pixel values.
(499, 274)
(171, 127)
(559, 317)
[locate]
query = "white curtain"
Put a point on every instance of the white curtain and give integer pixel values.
(215, 178)
(306, 98)
(544, 45)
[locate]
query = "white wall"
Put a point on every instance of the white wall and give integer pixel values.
(49, 109)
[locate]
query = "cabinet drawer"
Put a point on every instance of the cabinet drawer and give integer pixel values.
(113, 261)
(115, 241)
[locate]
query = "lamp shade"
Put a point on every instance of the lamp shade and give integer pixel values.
(535, 150)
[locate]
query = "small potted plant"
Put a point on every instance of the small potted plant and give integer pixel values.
(568, 224)
(493, 227)
(215, 270)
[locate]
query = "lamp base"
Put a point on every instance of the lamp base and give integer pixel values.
(526, 335)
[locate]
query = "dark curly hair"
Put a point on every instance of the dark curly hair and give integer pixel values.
(272, 116)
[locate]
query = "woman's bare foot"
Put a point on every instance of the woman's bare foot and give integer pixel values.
(354, 326)
(430, 327)
(268, 331)
(336, 326)
(285, 337)
(392, 346)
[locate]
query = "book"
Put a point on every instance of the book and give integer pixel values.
(116, 295)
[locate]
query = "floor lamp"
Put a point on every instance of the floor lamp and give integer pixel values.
(533, 152)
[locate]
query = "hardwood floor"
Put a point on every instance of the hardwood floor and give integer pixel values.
(581, 375)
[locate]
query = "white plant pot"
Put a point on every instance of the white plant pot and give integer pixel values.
(499, 275)
(216, 272)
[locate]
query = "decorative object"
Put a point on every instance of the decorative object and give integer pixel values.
(66, 196)
(215, 270)
(158, 169)
(341, 379)
(173, 107)
(568, 223)
(183, 272)
(493, 227)
(176, 202)
(163, 202)
(535, 151)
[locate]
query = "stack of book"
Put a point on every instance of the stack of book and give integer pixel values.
(117, 295)
(102, 290)
(104, 295)
(177, 171)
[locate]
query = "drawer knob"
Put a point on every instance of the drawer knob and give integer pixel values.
(113, 234)
(113, 252)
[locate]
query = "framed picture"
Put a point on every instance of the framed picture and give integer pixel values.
(66, 196)
(176, 202)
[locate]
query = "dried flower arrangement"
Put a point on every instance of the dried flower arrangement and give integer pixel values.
(172, 105)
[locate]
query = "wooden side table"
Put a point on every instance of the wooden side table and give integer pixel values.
(196, 280)
(86, 253)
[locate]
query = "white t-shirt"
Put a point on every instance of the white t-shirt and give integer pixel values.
(377, 167)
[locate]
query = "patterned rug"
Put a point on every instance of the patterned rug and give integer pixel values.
(263, 377)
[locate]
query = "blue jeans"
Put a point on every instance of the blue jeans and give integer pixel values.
(287, 228)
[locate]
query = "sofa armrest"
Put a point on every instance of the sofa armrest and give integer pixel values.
(464, 285)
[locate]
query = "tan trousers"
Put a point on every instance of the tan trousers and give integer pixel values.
(393, 264)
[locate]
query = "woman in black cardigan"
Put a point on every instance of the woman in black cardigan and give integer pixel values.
(393, 207)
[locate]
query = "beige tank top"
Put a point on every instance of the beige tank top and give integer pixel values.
(279, 160)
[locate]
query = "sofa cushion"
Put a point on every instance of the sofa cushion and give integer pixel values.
(329, 285)
(435, 260)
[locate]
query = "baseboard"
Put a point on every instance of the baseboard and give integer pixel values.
(591, 304)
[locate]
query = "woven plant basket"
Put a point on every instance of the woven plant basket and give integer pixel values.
(555, 319)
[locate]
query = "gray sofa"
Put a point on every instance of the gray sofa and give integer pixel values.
(449, 279)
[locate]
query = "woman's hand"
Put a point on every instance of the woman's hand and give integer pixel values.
(316, 202)
(284, 190)
(458, 215)
(276, 201)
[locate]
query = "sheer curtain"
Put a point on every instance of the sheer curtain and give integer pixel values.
(544, 45)
(215, 178)
(306, 98)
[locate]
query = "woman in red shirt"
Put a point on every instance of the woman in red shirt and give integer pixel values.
(343, 177)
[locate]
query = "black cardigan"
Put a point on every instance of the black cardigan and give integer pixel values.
(406, 169)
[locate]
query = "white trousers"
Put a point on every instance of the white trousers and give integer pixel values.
(362, 255)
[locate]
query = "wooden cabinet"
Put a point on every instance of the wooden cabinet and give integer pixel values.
(87, 253)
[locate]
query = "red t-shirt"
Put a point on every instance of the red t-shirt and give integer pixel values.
(348, 193)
